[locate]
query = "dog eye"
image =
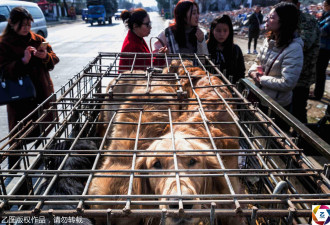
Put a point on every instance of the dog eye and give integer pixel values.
(192, 162)
(157, 165)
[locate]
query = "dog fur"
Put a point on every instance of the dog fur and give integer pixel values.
(187, 137)
(68, 185)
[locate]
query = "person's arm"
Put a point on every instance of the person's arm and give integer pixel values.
(51, 59)
(158, 45)
(12, 67)
(46, 54)
(202, 48)
(290, 71)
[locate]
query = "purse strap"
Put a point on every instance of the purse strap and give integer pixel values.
(269, 68)
(160, 40)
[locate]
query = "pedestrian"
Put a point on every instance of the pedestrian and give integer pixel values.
(324, 54)
(310, 34)
(184, 36)
(279, 62)
(21, 53)
(139, 26)
(225, 54)
(255, 22)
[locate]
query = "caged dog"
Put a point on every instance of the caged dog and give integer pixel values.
(153, 117)
(68, 185)
(188, 137)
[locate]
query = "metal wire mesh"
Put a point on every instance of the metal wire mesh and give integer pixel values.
(278, 184)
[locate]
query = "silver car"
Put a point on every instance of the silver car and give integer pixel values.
(38, 26)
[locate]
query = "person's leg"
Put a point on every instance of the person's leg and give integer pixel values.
(249, 43)
(299, 103)
(255, 43)
(321, 67)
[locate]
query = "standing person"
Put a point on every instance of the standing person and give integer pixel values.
(139, 26)
(184, 36)
(254, 22)
(310, 34)
(280, 60)
(324, 54)
(21, 54)
(223, 51)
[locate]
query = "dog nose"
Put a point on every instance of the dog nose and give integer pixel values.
(176, 206)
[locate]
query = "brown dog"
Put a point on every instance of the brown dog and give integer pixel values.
(187, 137)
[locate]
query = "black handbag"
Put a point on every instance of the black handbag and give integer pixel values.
(16, 90)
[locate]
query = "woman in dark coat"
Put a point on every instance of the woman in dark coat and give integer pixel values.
(20, 55)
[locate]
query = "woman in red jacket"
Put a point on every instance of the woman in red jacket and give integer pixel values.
(139, 25)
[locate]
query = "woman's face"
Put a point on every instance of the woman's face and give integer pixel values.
(25, 28)
(193, 20)
(273, 23)
(144, 29)
(221, 32)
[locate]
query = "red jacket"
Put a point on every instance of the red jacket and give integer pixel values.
(134, 43)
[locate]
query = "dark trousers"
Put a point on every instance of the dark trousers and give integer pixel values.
(299, 103)
(254, 36)
(321, 68)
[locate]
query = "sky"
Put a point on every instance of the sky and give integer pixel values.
(147, 3)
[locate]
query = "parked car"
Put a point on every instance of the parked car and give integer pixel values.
(118, 13)
(38, 26)
(84, 15)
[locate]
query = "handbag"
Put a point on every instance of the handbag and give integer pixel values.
(16, 90)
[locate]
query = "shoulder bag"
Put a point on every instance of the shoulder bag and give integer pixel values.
(15, 90)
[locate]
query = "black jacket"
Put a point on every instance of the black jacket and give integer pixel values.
(230, 62)
(254, 23)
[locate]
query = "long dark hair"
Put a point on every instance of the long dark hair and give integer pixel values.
(212, 42)
(135, 16)
(180, 13)
(288, 19)
(17, 15)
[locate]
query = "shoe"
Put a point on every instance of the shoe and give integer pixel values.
(249, 52)
(255, 52)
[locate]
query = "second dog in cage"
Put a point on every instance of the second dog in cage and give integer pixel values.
(71, 185)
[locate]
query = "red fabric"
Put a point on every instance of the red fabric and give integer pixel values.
(134, 43)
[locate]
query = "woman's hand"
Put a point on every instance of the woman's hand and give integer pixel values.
(255, 76)
(27, 54)
(41, 53)
(199, 34)
(163, 50)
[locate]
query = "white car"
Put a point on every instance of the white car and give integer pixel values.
(38, 26)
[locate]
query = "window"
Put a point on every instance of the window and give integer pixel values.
(35, 12)
(4, 11)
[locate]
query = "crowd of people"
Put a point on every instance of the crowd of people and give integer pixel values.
(286, 64)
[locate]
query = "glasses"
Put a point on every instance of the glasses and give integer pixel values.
(148, 24)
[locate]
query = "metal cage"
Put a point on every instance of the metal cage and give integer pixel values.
(280, 182)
